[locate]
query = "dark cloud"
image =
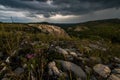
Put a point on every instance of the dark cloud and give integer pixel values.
(63, 7)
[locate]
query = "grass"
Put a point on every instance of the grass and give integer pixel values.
(18, 40)
(107, 31)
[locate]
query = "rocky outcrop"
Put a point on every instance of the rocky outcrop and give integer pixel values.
(50, 29)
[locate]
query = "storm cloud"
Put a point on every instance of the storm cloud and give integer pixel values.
(66, 10)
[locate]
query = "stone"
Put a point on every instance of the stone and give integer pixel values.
(73, 54)
(102, 70)
(117, 59)
(19, 71)
(113, 77)
(77, 70)
(116, 70)
(53, 70)
(62, 51)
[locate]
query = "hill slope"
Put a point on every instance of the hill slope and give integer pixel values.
(107, 29)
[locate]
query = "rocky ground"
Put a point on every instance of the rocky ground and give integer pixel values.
(59, 59)
(63, 63)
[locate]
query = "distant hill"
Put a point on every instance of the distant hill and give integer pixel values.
(107, 29)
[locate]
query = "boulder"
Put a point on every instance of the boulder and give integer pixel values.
(77, 70)
(102, 70)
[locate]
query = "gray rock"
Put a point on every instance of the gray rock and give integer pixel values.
(102, 70)
(77, 70)
(62, 51)
(19, 71)
(113, 77)
(73, 54)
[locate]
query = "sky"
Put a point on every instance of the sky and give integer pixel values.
(58, 11)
